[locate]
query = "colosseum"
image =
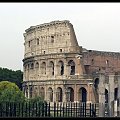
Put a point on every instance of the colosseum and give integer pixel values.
(59, 70)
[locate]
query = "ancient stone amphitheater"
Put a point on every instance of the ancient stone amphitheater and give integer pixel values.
(58, 69)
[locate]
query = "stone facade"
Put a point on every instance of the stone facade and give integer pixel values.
(58, 69)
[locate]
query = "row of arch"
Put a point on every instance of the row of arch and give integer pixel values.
(96, 82)
(107, 93)
(82, 94)
(51, 66)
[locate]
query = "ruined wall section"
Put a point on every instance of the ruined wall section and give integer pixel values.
(47, 47)
(95, 61)
(47, 38)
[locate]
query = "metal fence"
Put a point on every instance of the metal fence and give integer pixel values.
(40, 109)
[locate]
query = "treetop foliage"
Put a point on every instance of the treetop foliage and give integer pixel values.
(12, 76)
(10, 92)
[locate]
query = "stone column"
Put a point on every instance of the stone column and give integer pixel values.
(24, 90)
(47, 69)
(111, 95)
(28, 92)
(66, 67)
(55, 68)
(79, 67)
(64, 94)
(75, 93)
(54, 93)
(101, 95)
(39, 71)
(27, 74)
(89, 95)
(46, 94)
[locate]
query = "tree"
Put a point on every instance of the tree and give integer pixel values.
(14, 103)
(12, 76)
(10, 92)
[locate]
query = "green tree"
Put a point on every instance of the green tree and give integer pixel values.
(10, 92)
(14, 103)
(12, 76)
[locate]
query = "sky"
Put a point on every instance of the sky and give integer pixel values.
(96, 25)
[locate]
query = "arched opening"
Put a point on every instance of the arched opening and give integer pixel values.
(106, 96)
(43, 68)
(42, 93)
(36, 91)
(92, 61)
(31, 90)
(25, 72)
(61, 66)
(115, 93)
(96, 82)
(37, 41)
(107, 62)
(71, 63)
(32, 66)
(51, 68)
(82, 94)
(26, 91)
(50, 94)
(70, 94)
(37, 65)
(59, 94)
(28, 67)
(25, 67)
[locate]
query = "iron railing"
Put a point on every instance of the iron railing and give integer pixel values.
(43, 109)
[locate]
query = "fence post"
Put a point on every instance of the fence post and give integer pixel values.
(22, 108)
(36, 109)
(14, 109)
(60, 109)
(63, 109)
(45, 108)
(90, 110)
(42, 109)
(68, 108)
(93, 110)
(49, 109)
(29, 108)
(6, 109)
(71, 110)
(54, 109)
(76, 109)
(85, 108)
(57, 109)
(19, 109)
(81, 109)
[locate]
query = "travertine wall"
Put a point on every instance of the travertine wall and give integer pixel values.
(96, 61)
(48, 38)
(58, 69)
(53, 62)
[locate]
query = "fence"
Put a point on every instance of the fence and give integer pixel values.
(40, 109)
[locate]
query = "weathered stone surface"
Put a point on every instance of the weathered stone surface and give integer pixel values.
(58, 69)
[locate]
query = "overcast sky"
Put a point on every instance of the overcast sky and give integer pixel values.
(97, 26)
